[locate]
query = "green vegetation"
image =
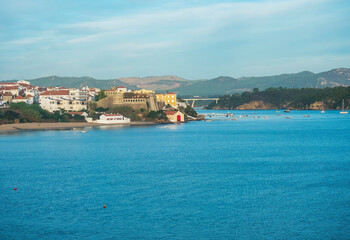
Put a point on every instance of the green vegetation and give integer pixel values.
(288, 98)
(159, 115)
(189, 111)
(127, 111)
(22, 113)
(100, 95)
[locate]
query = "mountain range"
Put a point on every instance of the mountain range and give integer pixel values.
(210, 87)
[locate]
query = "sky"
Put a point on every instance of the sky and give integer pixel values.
(193, 39)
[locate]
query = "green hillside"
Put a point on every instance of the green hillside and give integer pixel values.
(213, 87)
(216, 86)
(228, 85)
(291, 98)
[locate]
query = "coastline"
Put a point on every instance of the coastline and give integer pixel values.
(59, 125)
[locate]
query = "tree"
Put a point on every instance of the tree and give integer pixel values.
(101, 95)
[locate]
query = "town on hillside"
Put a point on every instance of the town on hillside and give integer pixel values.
(116, 105)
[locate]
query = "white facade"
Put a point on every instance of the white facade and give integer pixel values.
(78, 94)
(53, 104)
(112, 119)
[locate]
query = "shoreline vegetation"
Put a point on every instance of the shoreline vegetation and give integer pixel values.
(286, 98)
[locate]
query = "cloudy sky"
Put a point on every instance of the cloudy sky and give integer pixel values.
(194, 39)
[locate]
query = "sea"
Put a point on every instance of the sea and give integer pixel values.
(238, 175)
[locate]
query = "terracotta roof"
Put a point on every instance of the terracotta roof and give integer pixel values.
(11, 88)
(6, 94)
(121, 87)
(111, 115)
(170, 112)
(29, 96)
(8, 83)
(170, 93)
(19, 97)
(61, 92)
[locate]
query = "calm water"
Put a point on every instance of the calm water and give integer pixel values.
(272, 178)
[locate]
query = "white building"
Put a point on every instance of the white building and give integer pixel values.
(60, 100)
(112, 119)
(19, 98)
(78, 94)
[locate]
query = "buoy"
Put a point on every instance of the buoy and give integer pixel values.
(104, 206)
(15, 189)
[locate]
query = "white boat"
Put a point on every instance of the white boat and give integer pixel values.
(322, 111)
(343, 111)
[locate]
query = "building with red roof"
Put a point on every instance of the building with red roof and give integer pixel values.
(175, 116)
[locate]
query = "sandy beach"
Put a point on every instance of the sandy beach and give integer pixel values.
(58, 125)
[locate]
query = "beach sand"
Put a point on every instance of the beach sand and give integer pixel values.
(59, 125)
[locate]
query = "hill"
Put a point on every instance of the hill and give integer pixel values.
(78, 82)
(212, 87)
(217, 86)
(228, 85)
(156, 83)
(292, 98)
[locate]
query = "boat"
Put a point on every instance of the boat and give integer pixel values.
(287, 111)
(343, 111)
(277, 111)
(322, 111)
(306, 115)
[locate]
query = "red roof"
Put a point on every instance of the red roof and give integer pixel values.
(19, 97)
(170, 112)
(8, 83)
(61, 92)
(29, 96)
(170, 93)
(6, 94)
(121, 87)
(111, 115)
(11, 88)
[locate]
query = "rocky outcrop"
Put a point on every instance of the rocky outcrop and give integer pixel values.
(316, 106)
(255, 105)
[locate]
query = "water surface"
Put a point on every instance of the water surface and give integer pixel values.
(254, 178)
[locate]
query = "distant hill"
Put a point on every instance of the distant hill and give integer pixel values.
(77, 82)
(212, 87)
(217, 86)
(156, 83)
(228, 85)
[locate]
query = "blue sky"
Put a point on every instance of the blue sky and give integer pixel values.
(191, 38)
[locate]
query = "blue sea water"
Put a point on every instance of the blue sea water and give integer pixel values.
(253, 178)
